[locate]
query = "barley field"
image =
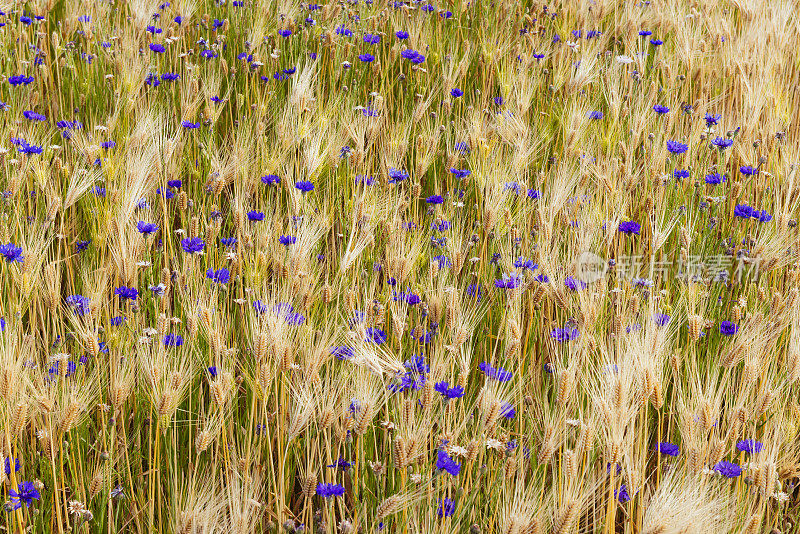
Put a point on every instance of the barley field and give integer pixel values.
(413, 266)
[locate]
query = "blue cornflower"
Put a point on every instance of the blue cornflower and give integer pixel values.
(715, 178)
(402, 35)
(622, 494)
(396, 175)
(446, 507)
(594, 115)
(173, 340)
(661, 319)
(33, 116)
(26, 492)
(475, 291)
(525, 264)
(366, 58)
(660, 109)
(328, 490)
(342, 464)
(157, 48)
(271, 179)
(656, 42)
(667, 448)
(509, 281)
(409, 54)
(645, 33)
(17, 465)
(220, 276)
(712, 120)
(126, 293)
(20, 79)
(434, 199)
(417, 364)
(630, 227)
(722, 143)
(229, 242)
(372, 38)
(727, 328)
(445, 463)
(78, 303)
(287, 240)
(341, 30)
(507, 411)
(574, 284)
(456, 92)
(459, 173)
(743, 211)
(23, 147)
(342, 353)
(189, 125)
(728, 469)
(255, 216)
(285, 33)
(192, 245)
(747, 170)
(499, 374)
(11, 253)
(750, 446)
(676, 148)
(565, 335)
(375, 335)
(448, 392)
(304, 186)
(146, 228)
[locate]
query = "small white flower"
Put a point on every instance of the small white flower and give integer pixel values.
(389, 425)
(458, 451)
(624, 59)
(495, 444)
(416, 478)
